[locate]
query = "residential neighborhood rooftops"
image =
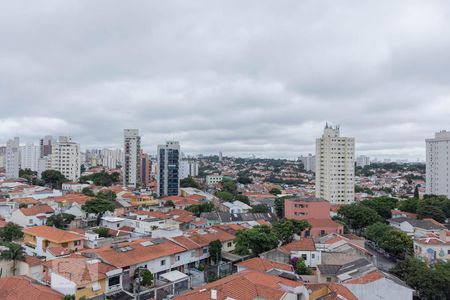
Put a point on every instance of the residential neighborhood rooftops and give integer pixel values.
(37, 209)
(427, 224)
(22, 287)
(53, 234)
(304, 244)
(264, 265)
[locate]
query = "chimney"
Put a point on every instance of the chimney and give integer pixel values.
(213, 294)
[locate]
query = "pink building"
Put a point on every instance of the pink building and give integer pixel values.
(314, 210)
(306, 208)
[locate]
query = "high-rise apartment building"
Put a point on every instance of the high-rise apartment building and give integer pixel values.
(132, 158)
(188, 167)
(309, 162)
(168, 170)
(66, 158)
(362, 161)
(46, 144)
(2, 156)
(29, 156)
(12, 158)
(335, 167)
(437, 165)
(145, 169)
(112, 158)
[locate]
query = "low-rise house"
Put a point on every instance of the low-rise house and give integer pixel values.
(304, 249)
(344, 272)
(236, 207)
(226, 218)
(377, 285)
(264, 265)
(32, 216)
(51, 242)
(23, 287)
(74, 187)
(432, 249)
(415, 227)
(322, 227)
(249, 285)
(83, 277)
(157, 255)
(6, 208)
(339, 249)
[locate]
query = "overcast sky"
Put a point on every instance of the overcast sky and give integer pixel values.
(241, 77)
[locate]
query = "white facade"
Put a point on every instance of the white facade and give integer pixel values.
(188, 168)
(309, 162)
(66, 158)
(362, 161)
(12, 158)
(213, 178)
(335, 167)
(131, 169)
(29, 156)
(112, 158)
(437, 168)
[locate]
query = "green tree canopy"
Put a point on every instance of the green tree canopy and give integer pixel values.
(102, 232)
(430, 211)
(53, 178)
(10, 232)
(224, 196)
(189, 182)
(88, 192)
(409, 205)
(101, 178)
(382, 205)
(358, 216)
(285, 229)
(98, 206)
(393, 241)
(229, 186)
(275, 191)
(198, 209)
(215, 250)
(260, 208)
(242, 198)
(147, 277)
(279, 207)
(258, 239)
(60, 221)
(301, 268)
(244, 179)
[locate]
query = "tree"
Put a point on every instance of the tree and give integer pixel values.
(358, 216)
(431, 282)
(416, 191)
(409, 205)
(392, 241)
(382, 205)
(29, 175)
(102, 232)
(215, 250)
(14, 252)
(376, 231)
(224, 196)
(108, 195)
(285, 229)
(10, 232)
(301, 268)
(260, 208)
(169, 203)
(101, 178)
(429, 211)
(68, 297)
(258, 239)
(98, 206)
(275, 191)
(147, 277)
(242, 198)
(88, 192)
(229, 186)
(198, 209)
(244, 179)
(60, 221)
(53, 178)
(279, 207)
(189, 182)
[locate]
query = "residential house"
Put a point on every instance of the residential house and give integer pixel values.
(431, 249)
(415, 227)
(264, 265)
(83, 277)
(33, 216)
(377, 285)
(23, 287)
(235, 207)
(306, 208)
(249, 285)
(51, 242)
(321, 227)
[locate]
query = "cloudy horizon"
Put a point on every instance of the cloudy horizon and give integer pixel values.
(253, 77)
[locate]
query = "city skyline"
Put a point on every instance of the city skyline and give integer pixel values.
(226, 77)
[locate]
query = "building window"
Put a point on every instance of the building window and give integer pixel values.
(229, 244)
(178, 258)
(163, 262)
(304, 256)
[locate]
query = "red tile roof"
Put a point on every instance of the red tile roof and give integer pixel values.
(53, 234)
(304, 244)
(245, 285)
(264, 265)
(367, 278)
(37, 209)
(22, 287)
